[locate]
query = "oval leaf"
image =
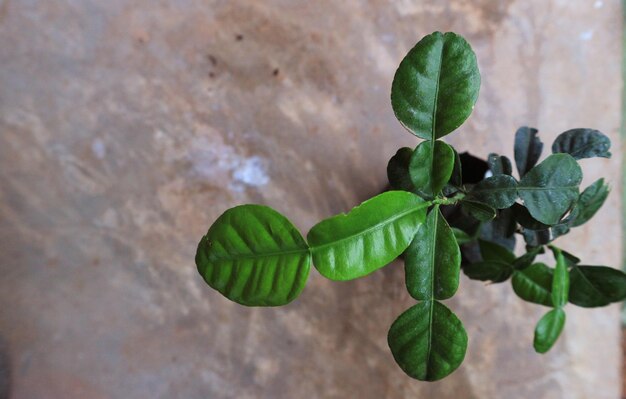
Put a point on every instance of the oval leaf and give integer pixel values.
(432, 261)
(589, 202)
(560, 281)
(352, 245)
(431, 166)
(527, 149)
(534, 284)
(428, 341)
(549, 189)
(398, 170)
(594, 286)
(254, 256)
(583, 143)
(436, 85)
(548, 330)
(498, 191)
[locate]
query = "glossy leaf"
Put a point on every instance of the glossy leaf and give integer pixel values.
(548, 330)
(534, 284)
(348, 246)
(494, 271)
(498, 191)
(589, 202)
(431, 166)
(527, 149)
(478, 210)
(398, 170)
(499, 164)
(550, 188)
(436, 85)
(254, 256)
(432, 261)
(428, 341)
(583, 143)
(560, 281)
(594, 286)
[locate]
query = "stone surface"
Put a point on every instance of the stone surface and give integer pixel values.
(127, 127)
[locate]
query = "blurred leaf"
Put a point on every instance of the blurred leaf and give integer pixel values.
(583, 143)
(489, 270)
(589, 202)
(428, 341)
(527, 149)
(534, 284)
(436, 85)
(433, 260)
(548, 330)
(398, 170)
(491, 251)
(501, 229)
(461, 236)
(478, 210)
(524, 218)
(550, 188)
(348, 246)
(254, 256)
(527, 259)
(498, 191)
(499, 164)
(594, 286)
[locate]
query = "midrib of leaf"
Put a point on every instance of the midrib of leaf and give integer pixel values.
(434, 114)
(371, 228)
(432, 284)
(530, 188)
(260, 255)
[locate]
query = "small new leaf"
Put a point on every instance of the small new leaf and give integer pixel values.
(548, 330)
(499, 164)
(583, 143)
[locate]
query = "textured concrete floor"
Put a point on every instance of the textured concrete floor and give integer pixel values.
(127, 127)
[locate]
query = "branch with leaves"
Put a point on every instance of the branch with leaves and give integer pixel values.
(446, 212)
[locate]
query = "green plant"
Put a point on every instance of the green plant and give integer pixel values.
(446, 212)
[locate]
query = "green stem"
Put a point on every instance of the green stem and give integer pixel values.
(448, 201)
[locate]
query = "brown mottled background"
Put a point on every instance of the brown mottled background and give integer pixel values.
(128, 126)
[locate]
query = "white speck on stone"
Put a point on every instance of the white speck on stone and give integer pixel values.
(98, 148)
(586, 35)
(252, 172)
(598, 4)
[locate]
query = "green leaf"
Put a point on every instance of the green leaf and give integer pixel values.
(457, 172)
(548, 330)
(527, 259)
(501, 229)
(550, 188)
(499, 164)
(478, 210)
(490, 251)
(433, 260)
(398, 170)
(428, 341)
(527, 149)
(498, 191)
(436, 85)
(560, 281)
(494, 271)
(583, 143)
(254, 256)
(348, 246)
(461, 237)
(431, 166)
(525, 219)
(594, 286)
(589, 202)
(534, 284)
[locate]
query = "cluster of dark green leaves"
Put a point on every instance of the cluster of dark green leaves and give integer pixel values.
(446, 211)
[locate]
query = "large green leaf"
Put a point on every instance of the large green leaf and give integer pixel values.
(589, 202)
(499, 191)
(436, 85)
(549, 189)
(527, 149)
(254, 256)
(534, 284)
(583, 143)
(352, 245)
(594, 286)
(432, 261)
(431, 166)
(428, 341)
(398, 170)
(548, 330)
(560, 281)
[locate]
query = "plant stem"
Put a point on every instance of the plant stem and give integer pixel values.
(449, 201)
